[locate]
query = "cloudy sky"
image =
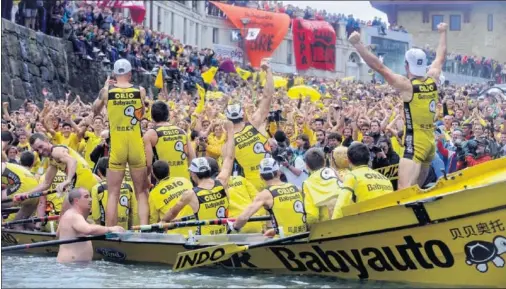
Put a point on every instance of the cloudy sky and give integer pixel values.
(359, 9)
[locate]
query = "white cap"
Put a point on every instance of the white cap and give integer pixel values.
(199, 165)
(122, 66)
(268, 165)
(417, 61)
(234, 111)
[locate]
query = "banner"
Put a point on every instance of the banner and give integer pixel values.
(231, 52)
(273, 28)
(314, 44)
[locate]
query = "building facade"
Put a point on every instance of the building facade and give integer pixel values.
(475, 27)
(190, 22)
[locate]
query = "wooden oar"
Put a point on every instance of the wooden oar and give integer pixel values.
(175, 225)
(57, 242)
(32, 220)
(210, 255)
(19, 198)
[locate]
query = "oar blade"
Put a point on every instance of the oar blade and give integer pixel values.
(206, 256)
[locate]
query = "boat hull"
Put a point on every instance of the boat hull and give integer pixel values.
(455, 239)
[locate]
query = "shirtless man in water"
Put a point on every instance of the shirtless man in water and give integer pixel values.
(73, 224)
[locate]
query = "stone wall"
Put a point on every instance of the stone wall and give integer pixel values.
(32, 61)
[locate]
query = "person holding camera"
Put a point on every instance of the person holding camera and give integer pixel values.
(384, 155)
(334, 140)
(294, 168)
(478, 151)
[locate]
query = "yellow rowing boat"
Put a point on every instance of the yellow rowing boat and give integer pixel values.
(452, 234)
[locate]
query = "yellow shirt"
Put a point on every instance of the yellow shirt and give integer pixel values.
(72, 141)
(126, 209)
(92, 141)
(360, 184)
(241, 194)
(287, 210)
(320, 190)
(170, 147)
(213, 204)
(164, 196)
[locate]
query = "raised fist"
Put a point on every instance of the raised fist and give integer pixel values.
(442, 27)
(354, 38)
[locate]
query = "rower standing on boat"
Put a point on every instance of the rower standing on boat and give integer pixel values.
(250, 143)
(209, 198)
(167, 192)
(420, 95)
(73, 224)
(125, 111)
(283, 201)
(17, 180)
(168, 143)
(127, 208)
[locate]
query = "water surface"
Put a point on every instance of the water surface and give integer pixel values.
(29, 271)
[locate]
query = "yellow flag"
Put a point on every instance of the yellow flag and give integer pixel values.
(208, 76)
(159, 78)
(244, 74)
(202, 100)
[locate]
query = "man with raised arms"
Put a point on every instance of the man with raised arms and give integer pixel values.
(73, 224)
(420, 95)
(250, 141)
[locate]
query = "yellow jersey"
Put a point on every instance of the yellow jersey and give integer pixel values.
(24, 147)
(126, 208)
(241, 194)
(250, 149)
(287, 209)
(17, 179)
(53, 202)
(320, 190)
(164, 196)
(125, 110)
(360, 184)
(71, 141)
(170, 147)
(91, 142)
(83, 177)
(419, 142)
(213, 204)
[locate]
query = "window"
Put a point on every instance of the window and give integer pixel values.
(185, 31)
(289, 48)
(172, 23)
(436, 19)
(455, 22)
(215, 35)
(490, 22)
(159, 18)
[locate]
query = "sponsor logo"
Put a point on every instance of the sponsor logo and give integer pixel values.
(111, 254)
(404, 257)
(199, 258)
(481, 253)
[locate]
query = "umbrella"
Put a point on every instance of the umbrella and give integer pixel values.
(299, 91)
(278, 82)
(227, 66)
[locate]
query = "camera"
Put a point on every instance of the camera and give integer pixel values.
(274, 116)
(327, 149)
(376, 149)
(280, 154)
